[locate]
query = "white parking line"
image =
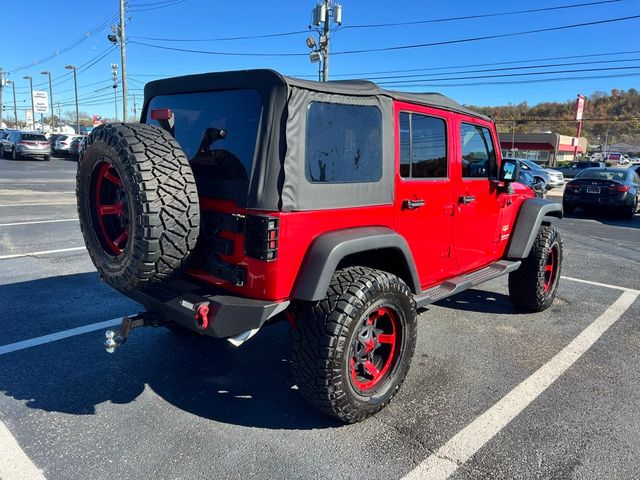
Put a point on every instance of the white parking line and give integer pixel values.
(466, 443)
(72, 332)
(43, 252)
(598, 284)
(37, 222)
(14, 463)
(40, 204)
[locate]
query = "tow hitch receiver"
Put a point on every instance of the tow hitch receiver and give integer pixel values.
(143, 319)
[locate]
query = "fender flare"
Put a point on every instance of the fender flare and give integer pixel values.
(326, 252)
(533, 213)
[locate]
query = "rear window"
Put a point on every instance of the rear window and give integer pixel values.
(33, 137)
(601, 175)
(200, 117)
(343, 143)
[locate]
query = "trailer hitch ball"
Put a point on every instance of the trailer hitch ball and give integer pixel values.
(110, 344)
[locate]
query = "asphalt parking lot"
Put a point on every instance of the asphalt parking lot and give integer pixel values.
(492, 393)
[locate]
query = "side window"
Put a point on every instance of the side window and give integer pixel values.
(423, 146)
(344, 143)
(478, 153)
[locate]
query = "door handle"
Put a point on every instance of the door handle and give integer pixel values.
(465, 199)
(412, 204)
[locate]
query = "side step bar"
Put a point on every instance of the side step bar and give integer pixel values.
(464, 282)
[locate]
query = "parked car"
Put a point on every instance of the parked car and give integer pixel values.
(553, 179)
(20, 144)
(615, 189)
(53, 138)
(536, 184)
(311, 215)
(63, 144)
(576, 167)
(74, 147)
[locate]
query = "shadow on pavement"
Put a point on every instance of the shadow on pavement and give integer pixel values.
(249, 386)
(605, 217)
(480, 301)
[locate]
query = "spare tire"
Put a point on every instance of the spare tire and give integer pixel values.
(138, 205)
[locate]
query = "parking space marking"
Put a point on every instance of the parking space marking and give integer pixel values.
(43, 252)
(40, 204)
(598, 284)
(468, 441)
(14, 463)
(72, 332)
(38, 221)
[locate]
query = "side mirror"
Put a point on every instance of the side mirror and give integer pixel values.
(509, 171)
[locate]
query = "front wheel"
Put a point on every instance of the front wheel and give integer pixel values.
(533, 286)
(352, 350)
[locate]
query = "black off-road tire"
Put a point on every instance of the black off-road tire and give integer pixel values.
(159, 193)
(568, 208)
(533, 286)
(324, 334)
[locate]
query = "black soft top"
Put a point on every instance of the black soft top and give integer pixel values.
(278, 180)
(265, 79)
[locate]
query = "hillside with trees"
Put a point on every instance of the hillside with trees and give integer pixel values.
(613, 117)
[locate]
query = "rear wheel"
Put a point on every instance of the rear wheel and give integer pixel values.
(631, 212)
(352, 350)
(533, 286)
(568, 208)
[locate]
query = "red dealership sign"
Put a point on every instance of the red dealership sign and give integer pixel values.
(579, 108)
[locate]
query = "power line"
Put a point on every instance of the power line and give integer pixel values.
(141, 7)
(380, 25)
(503, 75)
(515, 82)
(474, 17)
(487, 37)
(397, 47)
(94, 30)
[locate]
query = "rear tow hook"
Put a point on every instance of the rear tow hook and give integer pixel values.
(143, 319)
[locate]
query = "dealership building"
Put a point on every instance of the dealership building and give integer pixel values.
(545, 148)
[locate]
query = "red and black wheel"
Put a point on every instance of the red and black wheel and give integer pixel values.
(109, 208)
(533, 286)
(138, 205)
(352, 350)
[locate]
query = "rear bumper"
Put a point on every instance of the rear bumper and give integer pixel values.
(33, 152)
(621, 200)
(181, 302)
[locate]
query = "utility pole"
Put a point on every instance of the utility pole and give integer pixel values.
(33, 108)
(114, 76)
(53, 123)
(15, 108)
(75, 86)
(1, 89)
(123, 61)
(322, 15)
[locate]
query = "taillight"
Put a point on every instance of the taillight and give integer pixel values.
(571, 186)
(23, 142)
(619, 188)
(161, 114)
(261, 237)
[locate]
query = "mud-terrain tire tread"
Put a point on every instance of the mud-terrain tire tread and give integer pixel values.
(321, 338)
(526, 284)
(164, 200)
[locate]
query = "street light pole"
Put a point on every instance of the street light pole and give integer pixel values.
(33, 108)
(53, 123)
(75, 86)
(15, 108)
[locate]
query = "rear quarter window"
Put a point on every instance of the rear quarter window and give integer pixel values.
(343, 144)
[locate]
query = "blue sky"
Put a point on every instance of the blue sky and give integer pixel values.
(43, 28)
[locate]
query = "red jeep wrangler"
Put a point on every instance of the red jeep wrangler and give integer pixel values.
(247, 197)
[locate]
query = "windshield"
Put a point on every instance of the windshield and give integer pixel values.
(32, 137)
(216, 129)
(531, 164)
(593, 174)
